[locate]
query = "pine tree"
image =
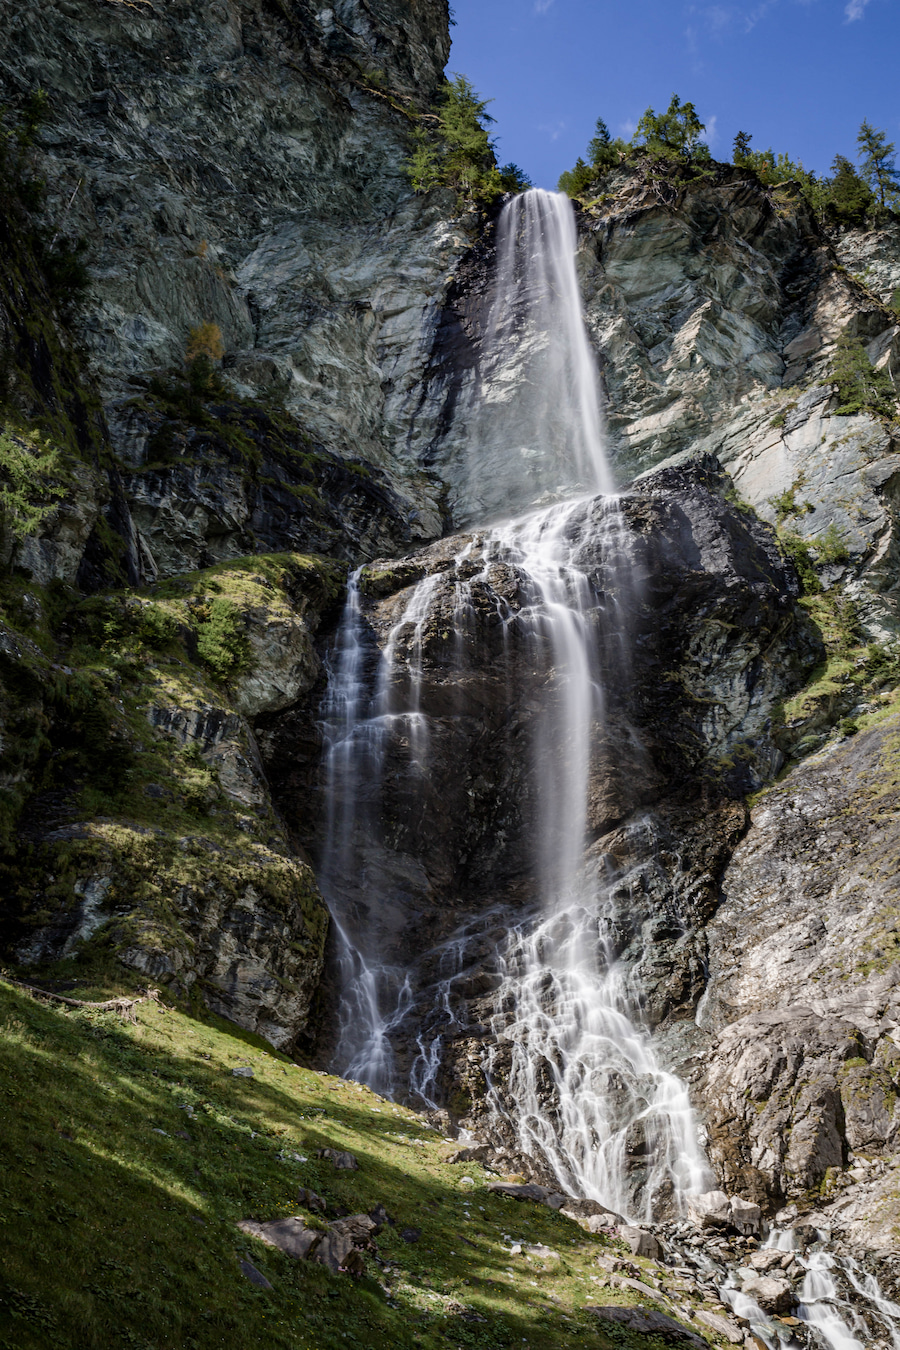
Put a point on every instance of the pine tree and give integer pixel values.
(576, 181)
(848, 194)
(741, 148)
(674, 134)
(860, 387)
(877, 155)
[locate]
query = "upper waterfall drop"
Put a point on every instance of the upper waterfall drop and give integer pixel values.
(533, 427)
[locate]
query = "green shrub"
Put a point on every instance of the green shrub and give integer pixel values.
(798, 549)
(830, 547)
(222, 643)
(28, 492)
(786, 504)
(860, 387)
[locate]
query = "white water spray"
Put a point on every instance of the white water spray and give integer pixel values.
(535, 434)
(582, 1088)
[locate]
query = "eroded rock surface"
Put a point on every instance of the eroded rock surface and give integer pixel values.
(804, 1074)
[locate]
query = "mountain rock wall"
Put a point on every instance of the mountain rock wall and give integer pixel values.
(242, 164)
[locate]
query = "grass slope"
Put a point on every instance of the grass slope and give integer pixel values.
(130, 1151)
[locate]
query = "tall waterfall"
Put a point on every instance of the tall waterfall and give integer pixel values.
(533, 983)
(535, 432)
(563, 1006)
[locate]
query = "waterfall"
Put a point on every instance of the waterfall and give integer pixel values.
(525, 448)
(533, 983)
(568, 1067)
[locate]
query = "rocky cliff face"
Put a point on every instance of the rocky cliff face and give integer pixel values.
(802, 1080)
(242, 164)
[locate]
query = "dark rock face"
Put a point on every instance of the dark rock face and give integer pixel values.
(805, 1072)
(714, 639)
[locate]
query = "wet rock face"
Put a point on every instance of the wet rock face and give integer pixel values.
(804, 1073)
(713, 639)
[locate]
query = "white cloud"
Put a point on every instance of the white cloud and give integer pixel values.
(711, 135)
(855, 9)
(553, 130)
(541, 6)
(627, 129)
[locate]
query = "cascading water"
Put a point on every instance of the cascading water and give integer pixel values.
(535, 427)
(571, 1078)
(564, 1005)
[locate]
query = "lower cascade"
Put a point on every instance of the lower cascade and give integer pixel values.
(533, 985)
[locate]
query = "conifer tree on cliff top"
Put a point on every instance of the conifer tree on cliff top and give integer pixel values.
(877, 156)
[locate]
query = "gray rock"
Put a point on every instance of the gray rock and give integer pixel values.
(309, 1200)
(746, 1216)
(243, 1071)
(721, 1326)
(710, 1210)
(647, 1322)
(641, 1242)
(291, 1235)
(765, 1260)
(772, 1295)
(341, 1161)
(249, 1271)
(801, 980)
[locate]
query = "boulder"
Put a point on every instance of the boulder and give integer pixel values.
(773, 1296)
(746, 1217)
(710, 1210)
(340, 1160)
(289, 1235)
(766, 1260)
(641, 1242)
(309, 1200)
(647, 1322)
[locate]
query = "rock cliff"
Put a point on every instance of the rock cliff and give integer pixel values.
(168, 612)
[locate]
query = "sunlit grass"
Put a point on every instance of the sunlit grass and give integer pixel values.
(130, 1152)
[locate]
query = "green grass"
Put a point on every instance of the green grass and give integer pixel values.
(118, 1235)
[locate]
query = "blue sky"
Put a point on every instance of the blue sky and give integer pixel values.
(799, 75)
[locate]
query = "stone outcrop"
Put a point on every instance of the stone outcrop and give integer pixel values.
(803, 1077)
(716, 640)
(155, 839)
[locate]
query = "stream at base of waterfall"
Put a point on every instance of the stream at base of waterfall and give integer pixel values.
(571, 1080)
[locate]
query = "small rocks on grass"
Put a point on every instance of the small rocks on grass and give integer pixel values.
(340, 1160)
(309, 1200)
(541, 1195)
(411, 1234)
(248, 1269)
(242, 1071)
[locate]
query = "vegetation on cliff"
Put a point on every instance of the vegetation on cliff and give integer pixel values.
(453, 149)
(846, 197)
